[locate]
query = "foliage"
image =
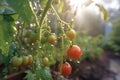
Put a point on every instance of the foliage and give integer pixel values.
(25, 29)
(91, 46)
(114, 42)
(43, 73)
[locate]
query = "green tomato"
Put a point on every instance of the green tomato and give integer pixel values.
(25, 60)
(46, 61)
(16, 61)
(30, 59)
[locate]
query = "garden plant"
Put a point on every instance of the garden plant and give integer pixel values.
(33, 36)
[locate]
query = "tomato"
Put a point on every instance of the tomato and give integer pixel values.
(16, 61)
(52, 38)
(74, 52)
(30, 59)
(30, 35)
(66, 69)
(46, 61)
(25, 60)
(71, 34)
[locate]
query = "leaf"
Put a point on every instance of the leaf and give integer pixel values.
(43, 73)
(43, 3)
(22, 7)
(29, 76)
(4, 59)
(6, 35)
(104, 12)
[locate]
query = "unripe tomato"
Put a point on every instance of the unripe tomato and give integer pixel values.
(30, 59)
(71, 34)
(52, 38)
(16, 61)
(46, 61)
(66, 69)
(74, 52)
(25, 60)
(30, 35)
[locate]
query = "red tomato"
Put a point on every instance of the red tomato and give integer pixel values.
(71, 34)
(66, 69)
(74, 52)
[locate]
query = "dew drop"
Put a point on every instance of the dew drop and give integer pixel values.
(78, 61)
(6, 42)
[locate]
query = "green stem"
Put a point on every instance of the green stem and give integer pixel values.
(62, 57)
(59, 17)
(43, 16)
(36, 18)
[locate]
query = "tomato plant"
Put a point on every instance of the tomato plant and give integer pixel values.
(37, 34)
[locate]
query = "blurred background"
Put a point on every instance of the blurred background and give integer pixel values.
(99, 39)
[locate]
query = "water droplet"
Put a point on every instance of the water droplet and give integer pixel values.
(40, 15)
(49, 21)
(31, 48)
(6, 42)
(70, 59)
(40, 47)
(32, 43)
(72, 20)
(14, 35)
(78, 61)
(53, 14)
(63, 24)
(17, 22)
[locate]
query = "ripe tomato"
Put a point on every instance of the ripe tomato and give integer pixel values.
(66, 69)
(46, 61)
(74, 52)
(25, 60)
(52, 38)
(16, 61)
(71, 34)
(30, 59)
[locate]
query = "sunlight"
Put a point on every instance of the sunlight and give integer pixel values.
(79, 4)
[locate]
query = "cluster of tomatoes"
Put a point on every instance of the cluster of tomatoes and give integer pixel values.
(73, 52)
(22, 60)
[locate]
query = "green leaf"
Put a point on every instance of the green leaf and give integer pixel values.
(5, 9)
(43, 3)
(6, 35)
(104, 12)
(22, 7)
(4, 59)
(44, 74)
(29, 76)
